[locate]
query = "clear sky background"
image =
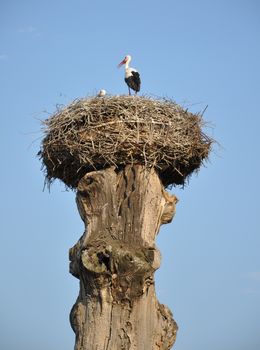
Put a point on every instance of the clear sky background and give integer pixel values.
(199, 53)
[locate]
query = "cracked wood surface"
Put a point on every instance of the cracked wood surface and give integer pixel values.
(115, 261)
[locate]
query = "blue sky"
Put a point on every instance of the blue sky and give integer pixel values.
(198, 53)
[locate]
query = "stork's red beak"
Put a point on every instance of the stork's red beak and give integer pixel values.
(121, 63)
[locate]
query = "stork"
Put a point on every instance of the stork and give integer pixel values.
(101, 93)
(132, 77)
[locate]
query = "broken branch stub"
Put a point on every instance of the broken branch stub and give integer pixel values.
(115, 261)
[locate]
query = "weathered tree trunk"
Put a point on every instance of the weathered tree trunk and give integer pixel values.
(115, 261)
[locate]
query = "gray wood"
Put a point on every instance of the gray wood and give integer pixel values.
(115, 261)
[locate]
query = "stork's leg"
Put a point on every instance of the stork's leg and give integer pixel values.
(129, 91)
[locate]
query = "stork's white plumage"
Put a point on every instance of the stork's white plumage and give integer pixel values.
(101, 93)
(132, 77)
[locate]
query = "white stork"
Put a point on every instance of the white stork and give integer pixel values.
(132, 77)
(101, 93)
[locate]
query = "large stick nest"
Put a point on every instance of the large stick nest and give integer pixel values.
(95, 133)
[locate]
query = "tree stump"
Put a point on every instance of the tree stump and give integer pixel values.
(116, 258)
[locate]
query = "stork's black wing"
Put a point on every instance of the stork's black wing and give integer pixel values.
(134, 81)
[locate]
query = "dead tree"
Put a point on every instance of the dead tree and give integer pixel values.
(115, 261)
(120, 153)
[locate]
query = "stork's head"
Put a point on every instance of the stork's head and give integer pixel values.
(127, 59)
(101, 93)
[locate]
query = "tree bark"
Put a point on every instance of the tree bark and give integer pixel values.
(115, 261)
